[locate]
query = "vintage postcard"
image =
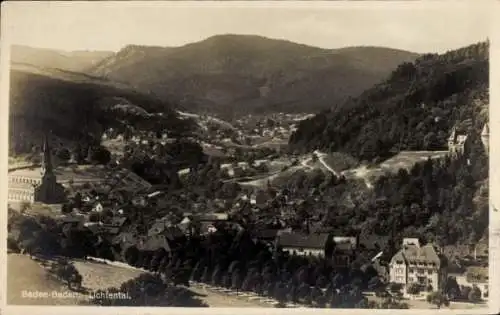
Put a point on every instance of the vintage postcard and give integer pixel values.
(256, 156)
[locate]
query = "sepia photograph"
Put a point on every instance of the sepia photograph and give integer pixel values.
(247, 155)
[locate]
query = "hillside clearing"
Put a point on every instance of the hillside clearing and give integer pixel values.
(403, 160)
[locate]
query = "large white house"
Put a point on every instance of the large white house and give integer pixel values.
(418, 264)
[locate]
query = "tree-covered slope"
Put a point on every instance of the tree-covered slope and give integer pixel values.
(76, 106)
(414, 109)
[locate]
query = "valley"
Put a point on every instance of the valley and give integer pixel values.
(246, 171)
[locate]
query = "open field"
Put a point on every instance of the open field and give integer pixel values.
(339, 161)
(25, 274)
(99, 276)
(403, 160)
(406, 159)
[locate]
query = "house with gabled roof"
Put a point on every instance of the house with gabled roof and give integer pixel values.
(418, 264)
(302, 244)
(338, 250)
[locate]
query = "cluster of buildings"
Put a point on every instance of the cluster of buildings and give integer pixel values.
(49, 184)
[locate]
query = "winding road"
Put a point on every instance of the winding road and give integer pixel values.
(322, 161)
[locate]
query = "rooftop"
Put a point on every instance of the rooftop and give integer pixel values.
(291, 239)
(65, 173)
(373, 242)
(154, 243)
(415, 254)
(23, 186)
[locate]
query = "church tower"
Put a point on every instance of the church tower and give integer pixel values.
(452, 141)
(49, 191)
(485, 137)
(457, 143)
(46, 168)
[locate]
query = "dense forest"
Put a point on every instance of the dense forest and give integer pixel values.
(414, 109)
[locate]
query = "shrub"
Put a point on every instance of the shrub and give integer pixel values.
(395, 287)
(475, 294)
(63, 154)
(66, 272)
(413, 288)
(12, 245)
(438, 299)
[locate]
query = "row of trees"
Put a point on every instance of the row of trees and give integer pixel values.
(231, 259)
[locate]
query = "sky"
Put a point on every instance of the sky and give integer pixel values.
(422, 26)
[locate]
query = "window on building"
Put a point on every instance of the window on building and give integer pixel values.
(430, 271)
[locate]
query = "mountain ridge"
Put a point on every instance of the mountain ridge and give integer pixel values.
(77, 60)
(233, 73)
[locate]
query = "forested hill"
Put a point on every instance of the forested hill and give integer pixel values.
(414, 109)
(236, 74)
(75, 105)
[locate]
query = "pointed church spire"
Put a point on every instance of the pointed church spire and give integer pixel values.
(46, 157)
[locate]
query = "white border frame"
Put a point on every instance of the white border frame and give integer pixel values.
(494, 7)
